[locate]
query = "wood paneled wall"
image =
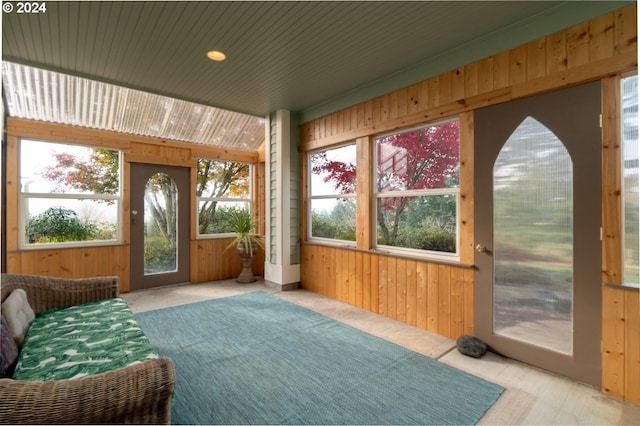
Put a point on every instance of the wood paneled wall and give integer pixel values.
(434, 297)
(620, 304)
(586, 52)
(207, 262)
(71, 263)
(621, 342)
(211, 263)
(601, 49)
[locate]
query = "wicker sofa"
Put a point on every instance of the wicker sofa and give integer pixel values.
(138, 394)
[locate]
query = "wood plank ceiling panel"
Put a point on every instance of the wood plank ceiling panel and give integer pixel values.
(281, 55)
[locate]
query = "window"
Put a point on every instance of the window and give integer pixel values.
(417, 189)
(161, 224)
(69, 194)
(332, 193)
(630, 153)
(533, 239)
(222, 186)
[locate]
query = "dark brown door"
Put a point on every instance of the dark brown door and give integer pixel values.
(159, 225)
(537, 222)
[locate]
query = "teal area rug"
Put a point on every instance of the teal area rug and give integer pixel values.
(257, 359)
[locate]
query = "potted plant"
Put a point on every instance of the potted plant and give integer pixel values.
(246, 242)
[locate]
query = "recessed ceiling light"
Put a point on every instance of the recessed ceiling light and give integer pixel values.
(216, 55)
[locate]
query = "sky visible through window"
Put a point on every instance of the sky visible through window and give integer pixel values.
(345, 154)
(35, 158)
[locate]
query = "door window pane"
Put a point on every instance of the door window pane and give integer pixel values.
(629, 89)
(160, 224)
(533, 239)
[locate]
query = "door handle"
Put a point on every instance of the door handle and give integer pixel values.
(480, 248)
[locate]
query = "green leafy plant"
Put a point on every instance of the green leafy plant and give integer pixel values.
(59, 224)
(242, 222)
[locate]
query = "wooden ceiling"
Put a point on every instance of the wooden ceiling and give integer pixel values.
(300, 56)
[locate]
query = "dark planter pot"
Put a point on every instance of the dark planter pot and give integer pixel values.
(246, 276)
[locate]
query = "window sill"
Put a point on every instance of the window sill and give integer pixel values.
(624, 286)
(70, 245)
(427, 259)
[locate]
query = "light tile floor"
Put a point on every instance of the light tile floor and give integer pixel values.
(532, 396)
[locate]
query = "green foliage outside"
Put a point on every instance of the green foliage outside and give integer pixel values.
(337, 224)
(426, 223)
(99, 174)
(525, 273)
(59, 224)
(160, 226)
(427, 239)
(533, 227)
(217, 221)
(324, 227)
(220, 180)
(158, 255)
(419, 160)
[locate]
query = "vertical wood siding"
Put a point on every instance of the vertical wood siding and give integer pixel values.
(439, 297)
(621, 342)
(620, 305)
(582, 53)
(211, 263)
(73, 263)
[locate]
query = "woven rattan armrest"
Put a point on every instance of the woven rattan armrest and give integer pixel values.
(138, 394)
(46, 293)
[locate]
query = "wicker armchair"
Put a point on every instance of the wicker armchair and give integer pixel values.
(139, 394)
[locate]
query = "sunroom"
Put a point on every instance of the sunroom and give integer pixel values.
(453, 166)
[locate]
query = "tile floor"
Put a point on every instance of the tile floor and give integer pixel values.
(533, 396)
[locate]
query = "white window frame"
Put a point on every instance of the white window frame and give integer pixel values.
(333, 196)
(412, 252)
(236, 200)
(24, 197)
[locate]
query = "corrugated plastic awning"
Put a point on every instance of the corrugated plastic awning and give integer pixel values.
(43, 95)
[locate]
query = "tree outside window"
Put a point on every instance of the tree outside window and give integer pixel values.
(332, 197)
(222, 186)
(417, 188)
(69, 193)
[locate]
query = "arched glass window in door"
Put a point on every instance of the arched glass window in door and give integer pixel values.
(160, 224)
(533, 239)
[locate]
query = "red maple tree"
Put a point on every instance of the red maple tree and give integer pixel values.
(424, 158)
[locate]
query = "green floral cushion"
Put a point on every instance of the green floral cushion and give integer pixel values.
(82, 340)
